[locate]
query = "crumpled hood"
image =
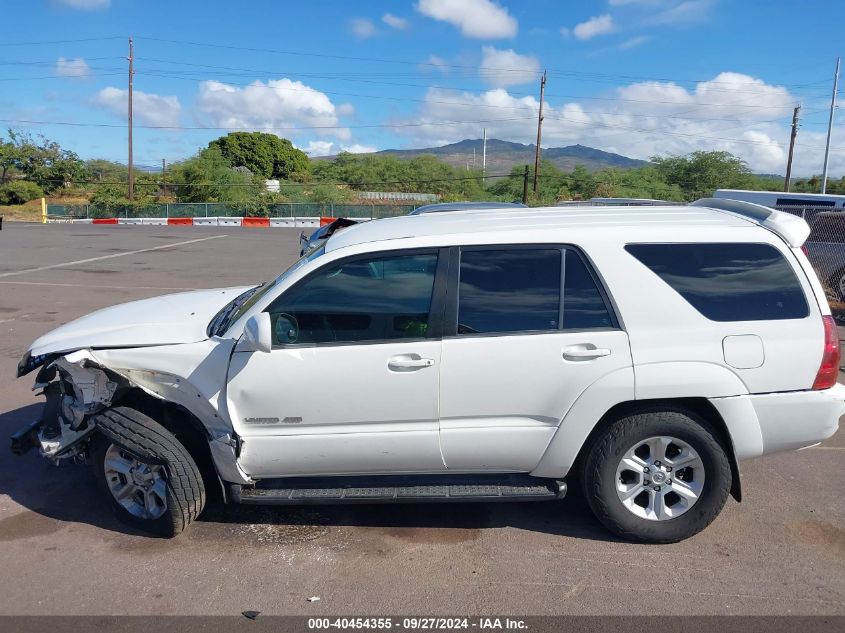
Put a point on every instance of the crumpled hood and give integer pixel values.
(167, 320)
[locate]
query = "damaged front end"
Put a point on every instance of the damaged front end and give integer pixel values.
(75, 391)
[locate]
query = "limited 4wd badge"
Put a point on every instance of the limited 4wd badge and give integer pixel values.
(287, 420)
(261, 420)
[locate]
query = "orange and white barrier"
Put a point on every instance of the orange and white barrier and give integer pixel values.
(297, 222)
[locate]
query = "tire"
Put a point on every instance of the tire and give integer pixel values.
(168, 493)
(605, 475)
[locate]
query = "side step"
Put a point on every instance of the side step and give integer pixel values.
(399, 489)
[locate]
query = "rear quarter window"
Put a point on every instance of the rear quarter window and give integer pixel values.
(728, 281)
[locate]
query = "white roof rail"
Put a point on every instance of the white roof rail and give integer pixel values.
(792, 229)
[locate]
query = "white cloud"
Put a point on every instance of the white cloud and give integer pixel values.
(362, 28)
(318, 148)
(328, 148)
(148, 108)
(506, 67)
(598, 25)
(687, 12)
(76, 68)
(639, 40)
(278, 103)
(394, 22)
(480, 19)
(730, 112)
(435, 63)
(85, 5)
(358, 148)
(565, 32)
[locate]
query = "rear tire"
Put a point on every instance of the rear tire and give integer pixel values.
(150, 479)
(640, 501)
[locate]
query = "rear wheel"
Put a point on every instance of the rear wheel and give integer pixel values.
(657, 477)
(150, 479)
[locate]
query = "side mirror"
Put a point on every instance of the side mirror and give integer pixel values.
(257, 336)
(286, 328)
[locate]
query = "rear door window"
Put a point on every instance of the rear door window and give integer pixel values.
(584, 307)
(513, 290)
(728, 281)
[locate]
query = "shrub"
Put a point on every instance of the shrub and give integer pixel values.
(19, 192)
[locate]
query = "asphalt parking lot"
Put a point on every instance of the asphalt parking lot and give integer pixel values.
(782, 551)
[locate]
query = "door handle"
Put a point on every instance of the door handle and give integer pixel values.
(409, 362)
(587, 351)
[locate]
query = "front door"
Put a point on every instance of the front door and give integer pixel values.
(351, 384)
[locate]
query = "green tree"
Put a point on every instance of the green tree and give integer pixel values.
(39, 160)
(265, 155)
(699, 174)
(209, 177)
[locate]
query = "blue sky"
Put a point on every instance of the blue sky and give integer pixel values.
(638, 77)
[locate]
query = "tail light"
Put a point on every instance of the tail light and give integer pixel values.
(829, 370)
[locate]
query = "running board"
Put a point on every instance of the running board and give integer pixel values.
(404, 489)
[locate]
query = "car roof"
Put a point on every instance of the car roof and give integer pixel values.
(544, 219)
(441, 207)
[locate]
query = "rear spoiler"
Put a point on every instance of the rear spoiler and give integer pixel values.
(792, 229)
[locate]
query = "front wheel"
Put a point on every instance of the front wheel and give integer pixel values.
(657, 477)
(150, 479)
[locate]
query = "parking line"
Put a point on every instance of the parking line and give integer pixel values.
(112, 256)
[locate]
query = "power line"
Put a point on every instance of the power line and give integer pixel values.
(251, 72)
(74, 41)
(258, 128)
(284, 184)
(400, 61)
(468, 104)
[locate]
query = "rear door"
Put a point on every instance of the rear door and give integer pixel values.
(531, 328)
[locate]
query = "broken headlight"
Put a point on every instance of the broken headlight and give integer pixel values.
(30, 362)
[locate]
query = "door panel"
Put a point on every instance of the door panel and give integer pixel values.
(351, 384)
(502, 397)
(532, 330)
(336, 410)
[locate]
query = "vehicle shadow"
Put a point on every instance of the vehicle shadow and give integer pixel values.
(69, 494)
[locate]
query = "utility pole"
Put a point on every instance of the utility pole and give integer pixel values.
(539, 131)
(129, 121)
(164, 176)
(525, 186)
(830, 126)
(484, 158)
(791, 147)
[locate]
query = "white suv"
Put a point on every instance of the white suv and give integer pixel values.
(463, 356)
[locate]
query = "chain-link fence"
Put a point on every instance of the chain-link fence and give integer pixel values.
(825, 248)
(228, 210)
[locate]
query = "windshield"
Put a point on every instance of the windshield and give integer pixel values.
(236, 308)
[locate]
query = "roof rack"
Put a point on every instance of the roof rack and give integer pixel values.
(792, 229)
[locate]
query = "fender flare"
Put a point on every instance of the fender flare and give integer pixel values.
(654, 381)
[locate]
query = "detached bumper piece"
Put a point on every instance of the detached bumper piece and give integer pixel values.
(26, 439)
(421, 489)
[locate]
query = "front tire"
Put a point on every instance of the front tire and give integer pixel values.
(150, 479)
(657, 477)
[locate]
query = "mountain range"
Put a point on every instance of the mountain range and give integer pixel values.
(502, 156)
